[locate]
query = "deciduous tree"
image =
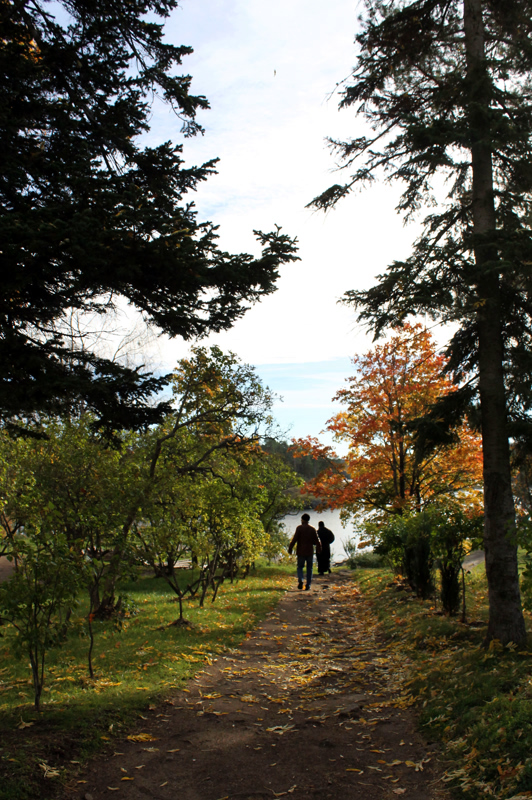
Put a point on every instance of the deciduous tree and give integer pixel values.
(385, 472)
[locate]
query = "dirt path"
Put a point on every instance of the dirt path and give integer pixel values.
(308, 707)
(6, 568)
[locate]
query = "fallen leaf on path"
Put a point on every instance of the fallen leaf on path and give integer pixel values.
(398, 790)
(281, 794)
(127, 778)
(49, 772)
(24, 724)
(142, 737)
(280, 729)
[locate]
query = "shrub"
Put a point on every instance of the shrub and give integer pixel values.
(365, 559)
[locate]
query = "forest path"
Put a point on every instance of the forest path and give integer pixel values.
(310, 706)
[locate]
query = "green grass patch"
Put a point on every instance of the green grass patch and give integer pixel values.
(476, 702)
(137, 663)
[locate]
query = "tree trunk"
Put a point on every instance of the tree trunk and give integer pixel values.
(506, 621)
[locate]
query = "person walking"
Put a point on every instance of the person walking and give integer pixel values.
(326, 538)
(304, 540)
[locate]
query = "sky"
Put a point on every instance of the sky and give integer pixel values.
(270, 72)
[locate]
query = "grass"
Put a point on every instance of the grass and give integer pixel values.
(476, 702)
(137, 663)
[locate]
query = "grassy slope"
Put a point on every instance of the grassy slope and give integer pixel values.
(136, 664)
(477, 702)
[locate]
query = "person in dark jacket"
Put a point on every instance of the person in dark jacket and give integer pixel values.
(326, 538)
(304, 539)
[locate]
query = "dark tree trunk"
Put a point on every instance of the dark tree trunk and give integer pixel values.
(506, 621)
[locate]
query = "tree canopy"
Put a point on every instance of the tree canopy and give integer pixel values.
(89, 213)
(385, 472)
(445, 88)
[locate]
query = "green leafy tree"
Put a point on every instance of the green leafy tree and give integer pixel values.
(167, 531)
(69, 486)
(89, 214)
(220, 407)
(36, 598)
(69, 483)
(231, 535)
(445, 88)
(223, 516)
(276, 488)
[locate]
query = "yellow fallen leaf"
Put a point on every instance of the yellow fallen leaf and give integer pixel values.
(142, 737)
(113, 788)
(127, 778)
(24, 724)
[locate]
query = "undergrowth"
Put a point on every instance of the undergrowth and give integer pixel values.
(477, 702)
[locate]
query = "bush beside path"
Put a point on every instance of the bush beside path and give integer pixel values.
(312, 704)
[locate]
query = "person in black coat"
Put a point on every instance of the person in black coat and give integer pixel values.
(326, 538)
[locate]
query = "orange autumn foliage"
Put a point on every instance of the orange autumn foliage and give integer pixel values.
(394, 384)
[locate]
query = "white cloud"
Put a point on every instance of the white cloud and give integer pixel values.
(267, 70)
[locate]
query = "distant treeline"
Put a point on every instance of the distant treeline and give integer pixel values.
(306, 467)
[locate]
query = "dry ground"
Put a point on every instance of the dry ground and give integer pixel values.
(311, 706)
(6, 568)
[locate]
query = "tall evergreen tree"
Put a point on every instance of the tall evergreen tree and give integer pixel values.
(445, 86)
(88, 214)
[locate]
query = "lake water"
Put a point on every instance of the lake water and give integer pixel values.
(331, 520)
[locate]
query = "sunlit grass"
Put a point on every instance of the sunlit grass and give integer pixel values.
(137, 662)
(477, 702)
